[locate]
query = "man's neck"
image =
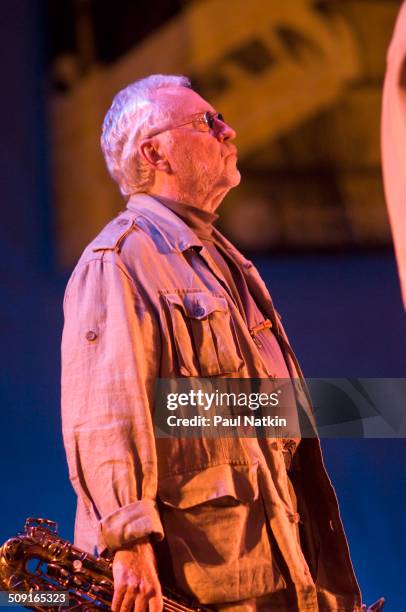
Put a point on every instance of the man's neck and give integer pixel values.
(207, 201)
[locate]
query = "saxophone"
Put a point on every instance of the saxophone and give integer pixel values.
(39, 560)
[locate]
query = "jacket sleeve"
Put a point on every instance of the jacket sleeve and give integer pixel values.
(110, 352)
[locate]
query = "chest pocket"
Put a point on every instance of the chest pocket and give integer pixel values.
(203, 334)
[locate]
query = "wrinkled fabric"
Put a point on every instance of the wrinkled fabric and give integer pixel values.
(200, 221)
(147, 300)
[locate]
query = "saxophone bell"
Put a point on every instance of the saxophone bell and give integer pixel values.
(39, 560)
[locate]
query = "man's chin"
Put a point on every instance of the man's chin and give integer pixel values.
(231, 173)
(235, 179)
(229, 181)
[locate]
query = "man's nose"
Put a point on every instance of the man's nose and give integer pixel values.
(225, 131)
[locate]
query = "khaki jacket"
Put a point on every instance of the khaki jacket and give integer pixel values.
(146, 301)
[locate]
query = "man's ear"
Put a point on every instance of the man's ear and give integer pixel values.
(151, 152)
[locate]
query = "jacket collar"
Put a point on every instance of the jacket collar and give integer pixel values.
(161, 223)
(165, 227)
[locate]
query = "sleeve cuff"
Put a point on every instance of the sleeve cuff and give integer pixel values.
(128, 524)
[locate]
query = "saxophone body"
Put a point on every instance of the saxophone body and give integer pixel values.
(39, 560)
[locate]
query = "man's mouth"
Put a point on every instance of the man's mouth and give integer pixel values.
(231, 154)
(231, 151)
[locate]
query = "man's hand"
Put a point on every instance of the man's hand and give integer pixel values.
(136, 582)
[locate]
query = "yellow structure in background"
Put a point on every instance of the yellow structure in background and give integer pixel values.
(268, 66)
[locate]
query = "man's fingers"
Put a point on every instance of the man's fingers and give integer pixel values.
(141, 602)
(124, 597)
(156, 603)
(128, 602)
(149, 597)
(118, 597)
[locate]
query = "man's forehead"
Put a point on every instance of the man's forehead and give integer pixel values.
(181, 101)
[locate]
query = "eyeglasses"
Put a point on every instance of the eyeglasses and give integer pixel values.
(209, 121)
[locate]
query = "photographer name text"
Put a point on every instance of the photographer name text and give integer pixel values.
(220, 421)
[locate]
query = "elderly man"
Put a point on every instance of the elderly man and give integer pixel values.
(235, 523)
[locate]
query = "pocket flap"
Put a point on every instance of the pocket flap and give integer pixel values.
(199, 304)
(211, 484)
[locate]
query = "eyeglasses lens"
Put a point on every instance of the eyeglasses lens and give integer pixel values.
(211, 119)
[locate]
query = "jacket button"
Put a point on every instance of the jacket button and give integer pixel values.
(294, 518)
(91, 335)
(199, 311)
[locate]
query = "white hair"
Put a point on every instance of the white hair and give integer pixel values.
(133, 112)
